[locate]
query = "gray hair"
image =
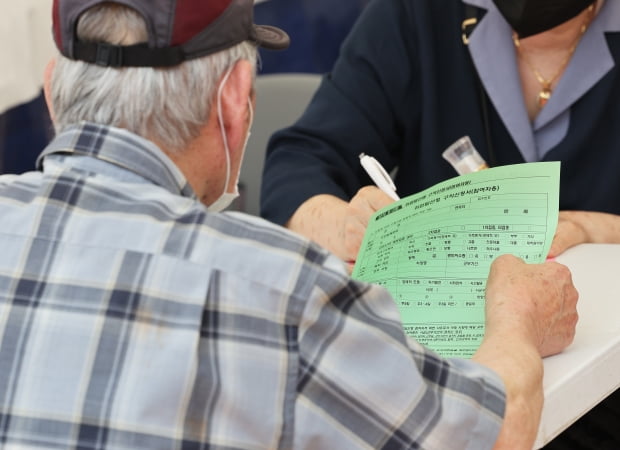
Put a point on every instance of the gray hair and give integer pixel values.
(166, 105)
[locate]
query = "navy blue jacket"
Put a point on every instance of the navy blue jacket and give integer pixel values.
(403, 89)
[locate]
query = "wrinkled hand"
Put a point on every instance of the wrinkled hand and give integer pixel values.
(580, 227)
(537, 302)
(362, 206)
(570, 232)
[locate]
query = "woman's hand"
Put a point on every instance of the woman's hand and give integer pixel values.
(580, 227)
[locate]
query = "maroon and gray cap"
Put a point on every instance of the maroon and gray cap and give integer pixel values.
(178, 30)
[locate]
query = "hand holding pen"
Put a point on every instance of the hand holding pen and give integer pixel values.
(363, 205)
(462, 156)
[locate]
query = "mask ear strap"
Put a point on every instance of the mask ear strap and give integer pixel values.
(251, 113)
(222, 128)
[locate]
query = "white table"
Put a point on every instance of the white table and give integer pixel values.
(589, 369)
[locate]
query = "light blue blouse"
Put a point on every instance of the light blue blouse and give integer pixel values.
(494, 56)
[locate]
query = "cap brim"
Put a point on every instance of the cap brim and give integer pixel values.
(272, 38)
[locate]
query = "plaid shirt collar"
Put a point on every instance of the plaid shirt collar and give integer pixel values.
(123, 149)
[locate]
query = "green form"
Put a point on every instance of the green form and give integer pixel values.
(433, 250)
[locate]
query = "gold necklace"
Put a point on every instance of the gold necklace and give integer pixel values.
(545, 92)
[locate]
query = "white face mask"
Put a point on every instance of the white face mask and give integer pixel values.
(226, 198)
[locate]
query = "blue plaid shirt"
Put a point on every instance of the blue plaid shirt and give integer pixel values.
(132, 317)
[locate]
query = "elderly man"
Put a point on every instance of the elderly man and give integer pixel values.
(134, 314)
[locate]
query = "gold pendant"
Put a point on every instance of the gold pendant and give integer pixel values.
(543, 96)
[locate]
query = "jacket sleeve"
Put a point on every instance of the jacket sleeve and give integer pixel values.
(359, 107)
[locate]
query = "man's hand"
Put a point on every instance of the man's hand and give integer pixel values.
(537, 302)
(531, 312)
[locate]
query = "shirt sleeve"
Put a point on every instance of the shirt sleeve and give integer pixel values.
(364, 384)
(360, 107)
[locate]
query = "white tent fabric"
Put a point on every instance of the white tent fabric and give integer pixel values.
(26, 45)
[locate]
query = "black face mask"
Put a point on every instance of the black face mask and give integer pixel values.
(528, 17)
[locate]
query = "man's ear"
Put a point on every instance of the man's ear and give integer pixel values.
(47, 85)
(235, 94)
